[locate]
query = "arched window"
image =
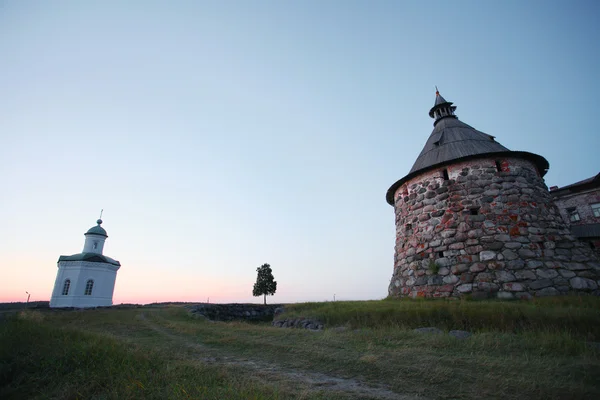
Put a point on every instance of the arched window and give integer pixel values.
(66, 287)
(88, 287)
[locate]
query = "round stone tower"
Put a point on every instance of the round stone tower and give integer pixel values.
(473, 217)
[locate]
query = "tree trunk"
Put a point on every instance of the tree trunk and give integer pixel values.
(265, 299)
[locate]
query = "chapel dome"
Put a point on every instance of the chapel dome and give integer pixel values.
(97, 230)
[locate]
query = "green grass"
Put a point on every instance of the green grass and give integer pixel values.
(153, 353)
(40, 360)
(575, 316)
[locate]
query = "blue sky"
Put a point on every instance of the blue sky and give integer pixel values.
(220, 135)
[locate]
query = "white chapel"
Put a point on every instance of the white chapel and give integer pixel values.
(86, 279)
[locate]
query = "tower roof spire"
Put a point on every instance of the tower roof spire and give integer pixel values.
(441, 108)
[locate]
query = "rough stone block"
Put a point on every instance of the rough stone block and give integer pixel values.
(510, 255)
(443, 262)
(487, 286)
(580, 283)
(523, 296)
(513, 245)
(522, 275)
(549, 291)
(502, 238)
(474, 249)
(513, 287)
(458, 268)
(448, 233)
(516, 264)
(576, 266)
(540, 284)
(456, 246)
(534, 264)
(477, 267)
(484, 277)
(435, 280)
(450, 279)
(495, 246)
(565, 273)
(465, 288)
(435, 243)
(526, 253)
(505, 276)
(487, 255)
(546, 273)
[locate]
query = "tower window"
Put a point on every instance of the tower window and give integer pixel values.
(408, 227)
(474, 211)
(88, 287)
(573, 214)
(445, 174)
(66, 287)
(498, 166)
(440, 254)
(95, 245)
(596, 209)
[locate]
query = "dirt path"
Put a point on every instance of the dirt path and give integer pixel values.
(272, 373)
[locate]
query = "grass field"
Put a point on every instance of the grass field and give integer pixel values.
(521, 350)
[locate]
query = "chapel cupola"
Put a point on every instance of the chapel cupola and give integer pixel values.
(441, 108)
(94, 239)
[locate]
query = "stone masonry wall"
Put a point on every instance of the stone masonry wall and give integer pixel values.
(490, 230)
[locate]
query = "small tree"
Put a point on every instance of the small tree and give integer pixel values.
(265, 283)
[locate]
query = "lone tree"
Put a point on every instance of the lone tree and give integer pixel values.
(265, 283)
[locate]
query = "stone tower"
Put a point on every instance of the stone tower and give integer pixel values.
(473, 217)
(86, 279)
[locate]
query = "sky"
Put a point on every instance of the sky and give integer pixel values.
(221, 135)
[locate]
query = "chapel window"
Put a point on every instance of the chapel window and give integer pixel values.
(88, 287)
(66, 287)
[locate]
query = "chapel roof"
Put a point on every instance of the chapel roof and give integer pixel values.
(90, 257)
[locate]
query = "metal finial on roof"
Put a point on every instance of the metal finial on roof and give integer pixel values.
(441, 108)
(100, 219)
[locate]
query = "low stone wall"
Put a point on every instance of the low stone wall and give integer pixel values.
(230, 312)
(302, 323)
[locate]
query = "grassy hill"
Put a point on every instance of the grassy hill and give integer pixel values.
(544, 349)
